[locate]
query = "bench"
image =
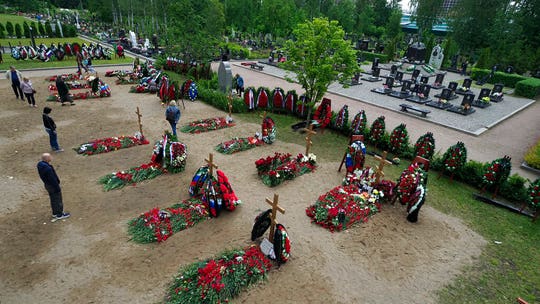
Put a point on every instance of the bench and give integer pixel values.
(257, 66)
(406, 108)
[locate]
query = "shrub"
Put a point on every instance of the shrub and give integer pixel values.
(529, 88)
(514, 188)
(371, 56)
(509, 80)
(472, 173)
(9, 28)
(18, 30)
(26, 30)
(533, 156)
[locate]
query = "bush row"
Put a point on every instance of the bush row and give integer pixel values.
(529, 88)
(526, 87)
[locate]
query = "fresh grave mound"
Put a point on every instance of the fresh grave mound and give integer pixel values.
(95, 87)
(355, 201)
(220, 279)
(274, 170)
(208, 124)
(109, 144)
(169, 156)
(209, 196)
(268, 136)
(66, 77)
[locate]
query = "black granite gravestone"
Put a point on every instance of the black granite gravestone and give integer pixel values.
(465, 108)
(483, 100)
(387, 87)
(437, 84)
(424, 79)
(497, 93)
(465, 88)
(404, 92)
(422, 94)
(374, 75)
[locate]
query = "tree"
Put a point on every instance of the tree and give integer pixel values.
(426, 13)
(319, 55)
(26, 30)
(18, 30)
(41, 29)
(9, 28)
(48, 29)
(343, 12)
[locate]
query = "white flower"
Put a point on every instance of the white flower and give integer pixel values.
(239, 259)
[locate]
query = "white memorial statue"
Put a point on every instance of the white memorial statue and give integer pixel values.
(437, 56)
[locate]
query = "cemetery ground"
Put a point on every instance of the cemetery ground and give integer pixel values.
(460, 251)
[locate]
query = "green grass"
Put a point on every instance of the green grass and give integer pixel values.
(14, 19)
(502, 273)
(47, 41)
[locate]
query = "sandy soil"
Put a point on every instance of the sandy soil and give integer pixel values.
(89, 258)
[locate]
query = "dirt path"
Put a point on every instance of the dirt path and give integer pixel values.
(88, 258)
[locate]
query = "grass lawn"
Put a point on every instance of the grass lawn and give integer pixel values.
(504, 271)
(15, 19)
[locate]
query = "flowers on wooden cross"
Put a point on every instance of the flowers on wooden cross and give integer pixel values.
(497, 172)
(425, 146)
(109, 144)
(399, 139)
(341, 121)
(323, 114)
(377, 130)
(343, 206)
(220, 279)
(157, 225)
(359, 122)
(533, 194)
(275, 169)
(455, 157)
(208, 124)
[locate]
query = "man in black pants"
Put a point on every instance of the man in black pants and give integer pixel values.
(52, 185)
(15, 77)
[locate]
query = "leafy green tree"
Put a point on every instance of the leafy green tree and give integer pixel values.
(18, 30)
(278, 26)
(26, 30)
(319, 55)
(241, 15)
(426, 13)
(343, 11)
(393, 26)
(9, 28)
(41, 29)
(2, 30)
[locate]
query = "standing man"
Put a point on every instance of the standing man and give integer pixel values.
(15, 77)
(172, 115)
(239, 85)
(52, 185)
(63, 91)
(50, 127)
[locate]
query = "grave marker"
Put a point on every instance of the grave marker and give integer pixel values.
(211, 165)
(275, 207)
(139, 115)
(382, 162)
(225, 76)
(308, 137)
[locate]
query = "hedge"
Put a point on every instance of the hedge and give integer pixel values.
(509, 80)
(383, 58)
(529, 88)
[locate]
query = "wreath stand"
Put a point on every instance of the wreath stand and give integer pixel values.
(351, 140)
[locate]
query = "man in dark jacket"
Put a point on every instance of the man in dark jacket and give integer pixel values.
(52, 185)
(63, 91)
(50, 127)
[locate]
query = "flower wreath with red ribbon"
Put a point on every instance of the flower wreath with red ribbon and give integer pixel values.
(323, 114)
(408, 184)
(399, 139)
(377, 129)
(425, 146)
(359, 123)
(455, 157)
(533, 194)
(342, 118)
(282, 244)
(498, 171)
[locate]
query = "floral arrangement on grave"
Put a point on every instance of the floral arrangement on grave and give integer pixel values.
(343, 206)
(455, 157)
(533, 194)
(262, 98)
(67, 77)
(411, 190)
(268, 136)
(167, 89)
(485, 100)
(218, 194)
(193, 92)
(341, 120)
(282, 244)
(399, 139)
(463, 89)
(278, 98)
(497, 95)
(290, 101)
(157, 225)
(72, 85)
(98, 90)
(421, 95)
(274, 170)
(355, 156)
(109, 144)
(220, 279)
(497, 172)
(323, 114)
(147, 84)
(366, 179)
(169, 156)
(205, 125)
(249, 98)
(359, 122)
(425, 146)
(377, 129)
(443, 101)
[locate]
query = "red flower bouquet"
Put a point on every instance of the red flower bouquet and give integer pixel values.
(533, 194)
(498, 171)
(358, 125)
(455, 157)
(377, 130)
(274, 170)
(323, 114)
(220, 279)
(425, 146)
(399, 139)
(208, 124)
(109, 144)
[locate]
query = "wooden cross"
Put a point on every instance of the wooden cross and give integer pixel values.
(263, 115)
(308, 137)
(139, 115)
(211, 165)
(275, 207)
(230, 105)
(383, 162)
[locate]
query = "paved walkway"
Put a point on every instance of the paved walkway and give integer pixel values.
(507, 128)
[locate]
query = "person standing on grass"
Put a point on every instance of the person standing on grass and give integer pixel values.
(52, 185)
(172, 115)
(50, 127)
(29, 92)
(15, 77)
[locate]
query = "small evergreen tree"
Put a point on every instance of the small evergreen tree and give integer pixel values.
(9, 28)
(26, 30)
(18, 30)
(41, 29)
(2, 30)
(48, 29)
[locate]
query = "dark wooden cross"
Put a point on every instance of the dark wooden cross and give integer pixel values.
(139, 115)
(383, 162)
(308, 137)
(275, 207)
(211, 165)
